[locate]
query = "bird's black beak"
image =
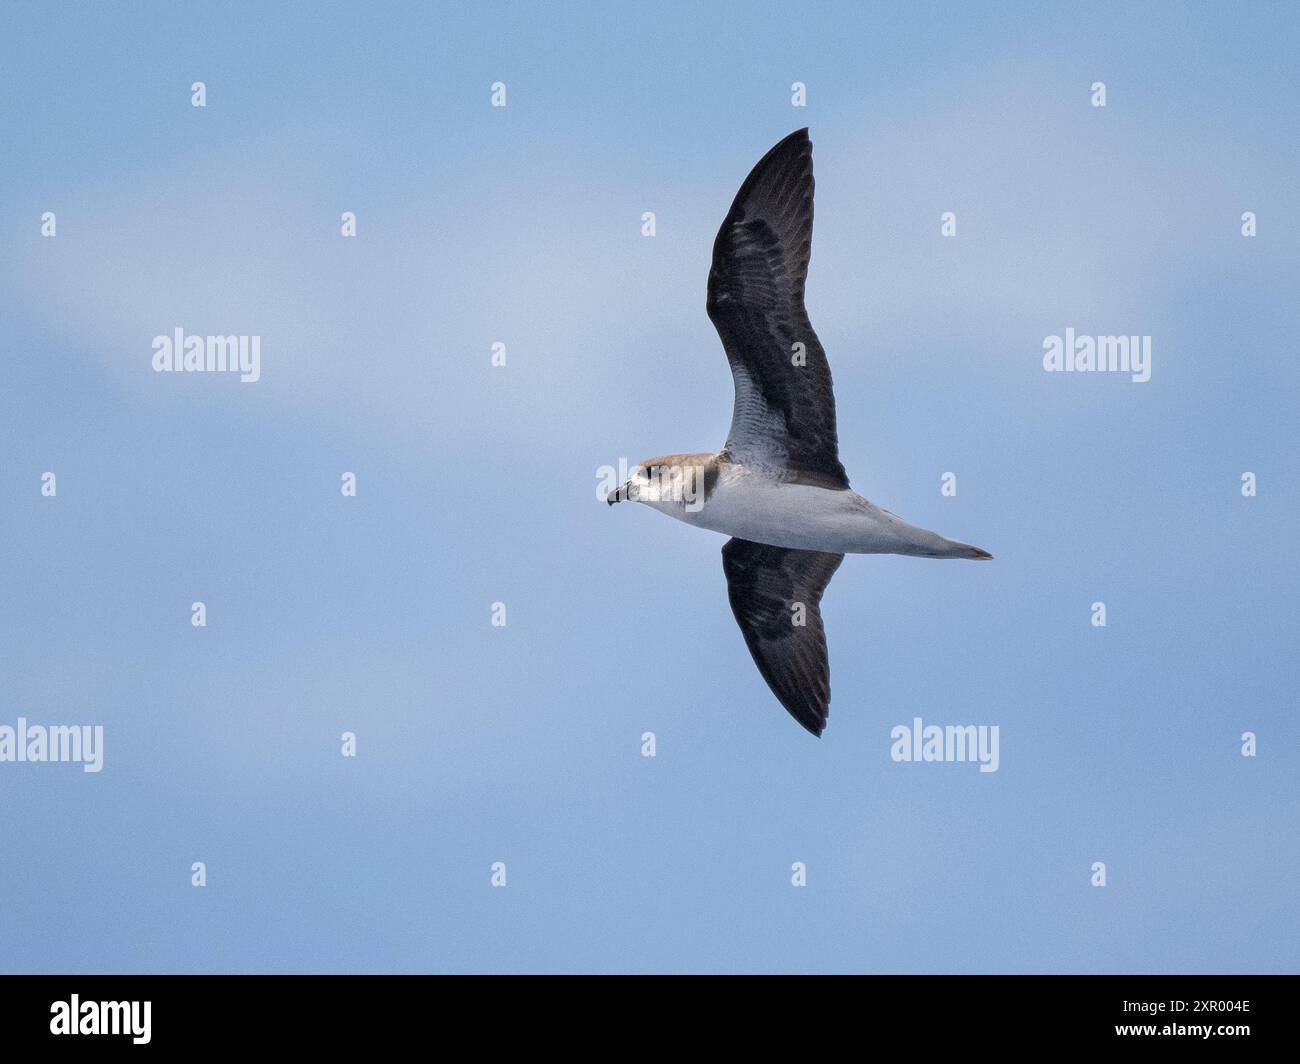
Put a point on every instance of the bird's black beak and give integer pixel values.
(619, 494)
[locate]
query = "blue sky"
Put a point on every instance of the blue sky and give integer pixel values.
(478, 484)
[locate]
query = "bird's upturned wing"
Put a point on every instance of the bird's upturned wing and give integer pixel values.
(765, 584)
(784, 414)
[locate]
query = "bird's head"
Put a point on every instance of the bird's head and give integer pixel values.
(671, 482)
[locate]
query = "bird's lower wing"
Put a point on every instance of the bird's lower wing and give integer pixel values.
(776, 595)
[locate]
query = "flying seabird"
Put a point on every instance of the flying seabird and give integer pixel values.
(777, 486)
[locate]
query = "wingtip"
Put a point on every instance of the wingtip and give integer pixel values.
(812, 727)
(799, 138)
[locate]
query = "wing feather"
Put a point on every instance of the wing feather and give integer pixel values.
(783, 419)
(764, 584)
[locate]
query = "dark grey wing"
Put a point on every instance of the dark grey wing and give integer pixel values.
(784, 414)
(764, 584)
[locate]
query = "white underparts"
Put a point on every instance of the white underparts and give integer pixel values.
(765, 510)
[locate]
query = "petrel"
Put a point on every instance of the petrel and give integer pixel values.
(777, 486)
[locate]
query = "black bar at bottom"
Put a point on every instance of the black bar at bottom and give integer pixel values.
(359, 1012)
